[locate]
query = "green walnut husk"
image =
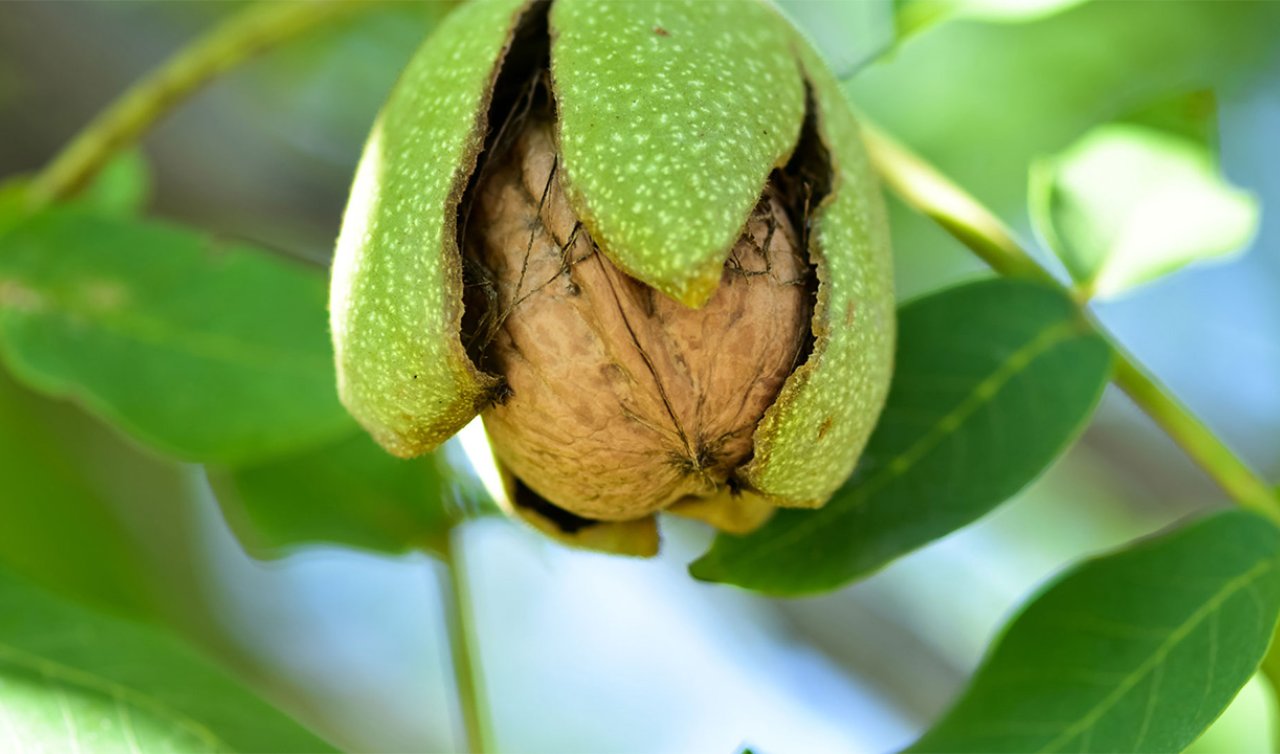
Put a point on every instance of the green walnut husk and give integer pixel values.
(686, 154)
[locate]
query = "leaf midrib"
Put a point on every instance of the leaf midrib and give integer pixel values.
(1162, 651)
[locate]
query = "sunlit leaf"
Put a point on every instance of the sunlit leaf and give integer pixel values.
(1127, 204)
(351, 492)
(848, 33)
(206, 351)
(916, 14)
(75, 680)
(986, 99)
(1137, 651)
(992, 381)
(1012, 10)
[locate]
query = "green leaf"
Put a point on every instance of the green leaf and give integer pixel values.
(1127, 204)
(1136, 651)
(1011, 11)
(663, 155)
(55, 524)
(848, 33)
(122, 188)
(1192, 115)
(13, 203)
(205, 351)
(351, 492)
(75, 680)
(1246, 726)
(914, 14)
(993, 380)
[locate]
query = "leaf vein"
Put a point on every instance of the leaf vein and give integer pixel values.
(1242, 582)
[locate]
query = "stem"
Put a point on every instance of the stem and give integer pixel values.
(922, 187)
(239, 38)
(1194, 437)
(466, 673)
(927, 190)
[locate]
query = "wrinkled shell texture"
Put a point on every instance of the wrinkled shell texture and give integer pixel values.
(623, 401)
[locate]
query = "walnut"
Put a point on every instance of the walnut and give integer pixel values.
(656, 262)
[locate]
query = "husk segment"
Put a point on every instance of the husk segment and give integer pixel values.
(808, 442)
(664, 147)
(638, 538)
(396, 294)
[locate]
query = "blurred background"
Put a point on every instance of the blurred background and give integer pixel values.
(586, 653)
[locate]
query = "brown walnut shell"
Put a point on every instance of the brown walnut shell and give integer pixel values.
(620, 401)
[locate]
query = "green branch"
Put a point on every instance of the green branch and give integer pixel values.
(924, 188)
(239, 38)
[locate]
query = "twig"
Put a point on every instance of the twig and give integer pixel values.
(927, 190)
(241, 37)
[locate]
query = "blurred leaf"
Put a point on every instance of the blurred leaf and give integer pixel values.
(1136, 651)
(992, 381)
(914, 15)
(1192, 115)
(351, 492)
(13, 201)
(848, 33)
(1008, 11)
(55, 525)
(122, 188)
(293, 88)
(981, 110)
(208, 352)
(1127, 204)
(75, 680)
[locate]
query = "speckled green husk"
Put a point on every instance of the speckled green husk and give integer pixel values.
(665, 152)
(671, 116)
(395, 303)
(809, 441)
